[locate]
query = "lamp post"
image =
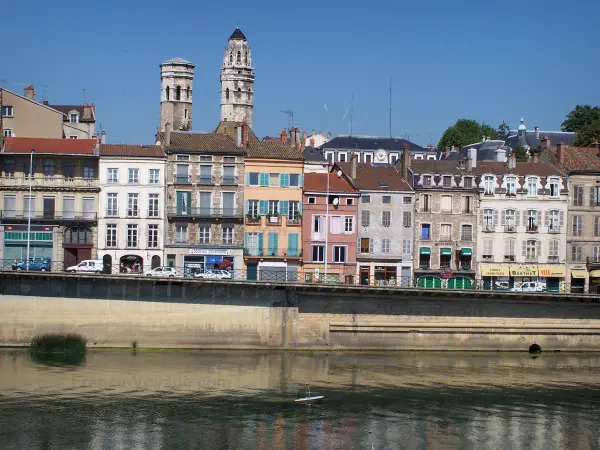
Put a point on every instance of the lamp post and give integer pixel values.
(29, 205)
(327, 218)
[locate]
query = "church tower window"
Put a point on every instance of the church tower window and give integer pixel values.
(227, 94)
(168, 90)
(178, 93)
(189, 93)
(239, 57)
(230, 57)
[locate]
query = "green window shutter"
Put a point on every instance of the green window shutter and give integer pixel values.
(284, 180)
(263, 179)
(293, 244)
(260, 244)
(179, 196)
(284, 206)
(272, 244)
(189, 201)
(263, 207)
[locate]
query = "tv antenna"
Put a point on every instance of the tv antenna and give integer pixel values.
(290, 115)
(44, 86)
(350, 114)
(3, 81)
(325, 129)
(84, 89)
(390, 106)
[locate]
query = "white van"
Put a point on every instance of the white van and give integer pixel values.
(89, 265)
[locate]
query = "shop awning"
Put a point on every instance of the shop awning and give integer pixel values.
(595, 274)
(493, 271)
(466, 251)
(425, 251)
(552, 271)
(446, 251)
(578, 273)
(523, 271)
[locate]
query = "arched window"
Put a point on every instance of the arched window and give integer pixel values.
(239, 57)
(49, 168)
(178, 93)
(230, 57)
(168, 92)
(107, 262)
(155, 261)
(227, 94)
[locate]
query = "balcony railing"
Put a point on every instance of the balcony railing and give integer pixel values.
(206, 180)
(553, 229)
(229, 181)
(273, 252)
(49, 182)
(48, 215)
(216, 213)
(182, 179)
(466, 237)
(532, 228)
(510, 228)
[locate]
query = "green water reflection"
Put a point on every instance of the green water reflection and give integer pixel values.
(228, 400)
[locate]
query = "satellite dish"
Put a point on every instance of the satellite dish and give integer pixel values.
(339, 173)
(336, 201)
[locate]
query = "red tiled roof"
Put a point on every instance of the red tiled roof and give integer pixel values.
(368, 177)
(317, 182)
(49, 146)
(577, 159)
(137, 151)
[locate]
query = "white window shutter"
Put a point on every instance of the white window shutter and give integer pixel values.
(538, 249)
(495, 218)
(371, 244)
(503, 223)
(546, 218)
(524, 248)
(538, 219)
(562, 218)
(481, 221)
(517, 218)
(592, 196)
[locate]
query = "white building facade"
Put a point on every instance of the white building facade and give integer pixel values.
(522, 224)
(131, 213)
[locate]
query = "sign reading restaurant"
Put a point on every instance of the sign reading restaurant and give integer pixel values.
(210, 251)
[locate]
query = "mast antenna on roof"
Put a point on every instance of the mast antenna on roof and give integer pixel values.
(290, 115)
(84, 89)
(350, 114)
(390, 106)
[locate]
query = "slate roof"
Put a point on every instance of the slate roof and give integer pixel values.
(533, 139)
(136, 151)
(313, 155)
(317, 182)
(370, 177)
(486, 151)
(200, 142)
(269, 149)
(541, 169)
(370, 143)
(176, 60)
(46, 146)
(237, 34)
(66, 109)
(576, 159)
(432, 166)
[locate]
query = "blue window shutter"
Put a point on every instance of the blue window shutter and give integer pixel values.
(247, 179)
(263, 207)
(300, 207)
(281, 180)
(260, 244)
(284, 180)
(246, 239)
(247, 206)
(293, 244)
(284, 206)
(272, 244)
(301, 181)
(264, 179)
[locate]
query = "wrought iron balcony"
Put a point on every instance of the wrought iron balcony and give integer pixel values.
(49, 216)
(201, 212)
(182, 179)
(49, 182)
(273, 252)
(229, 181)
(206, 180)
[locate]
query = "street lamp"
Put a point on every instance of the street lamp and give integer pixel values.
(29, 204)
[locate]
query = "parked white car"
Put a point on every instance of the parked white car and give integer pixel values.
(530, 286)
(87, 266)
(214, 274)
(161, 272)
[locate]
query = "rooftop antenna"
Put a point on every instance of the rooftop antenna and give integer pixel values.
(290, 115)
(84, 89)
(390, 106)
(350, 113)
(3, 81)
(44, 86)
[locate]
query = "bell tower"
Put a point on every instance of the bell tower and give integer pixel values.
(237, 80)
(176, 78)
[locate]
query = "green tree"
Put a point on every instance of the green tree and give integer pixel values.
(587, 134)
(580, 117)
(465, 132)
(503, 130)
(520, 153)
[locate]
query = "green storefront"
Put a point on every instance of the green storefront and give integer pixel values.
(15, 243)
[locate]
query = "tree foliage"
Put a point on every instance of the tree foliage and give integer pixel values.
(580, 117)
(503, 131)
(587, 134)
(465, 132)
(520, 153)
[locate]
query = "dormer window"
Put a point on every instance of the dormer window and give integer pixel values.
(427, 180)
(511, 186)
(554, 188)
(74, 117)
(468, 182)
(532, 187)
(488, 185)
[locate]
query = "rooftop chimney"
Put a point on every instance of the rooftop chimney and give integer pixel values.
(596, 144)
(512, 161)
(405, 164)
(87, 112)
(545, 143)
(329, 135)
(500, 154)
(537, 132)
(167, 134)
(304, 136)
(292, 137)
(469, 164)
(238, 136)
(312, 142)
(560, 152)
(103, 137)
(473, 157)
(313, 132)
(353, 159)
(284, 136)
(245, 134)
(297, 142)
(30, 92)
(536, 157)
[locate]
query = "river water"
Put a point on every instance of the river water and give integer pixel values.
(231, 400)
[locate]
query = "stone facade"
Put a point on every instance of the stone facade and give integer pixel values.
(176, 78)
(237, 81)
(445, 223)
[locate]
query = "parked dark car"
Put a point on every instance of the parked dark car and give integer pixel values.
(42, 264)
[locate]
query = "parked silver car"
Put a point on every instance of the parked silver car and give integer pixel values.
(161, 272)
(216, 274)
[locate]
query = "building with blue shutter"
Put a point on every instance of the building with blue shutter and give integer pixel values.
(273, 211)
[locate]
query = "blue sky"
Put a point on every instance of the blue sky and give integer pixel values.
(489, 61)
